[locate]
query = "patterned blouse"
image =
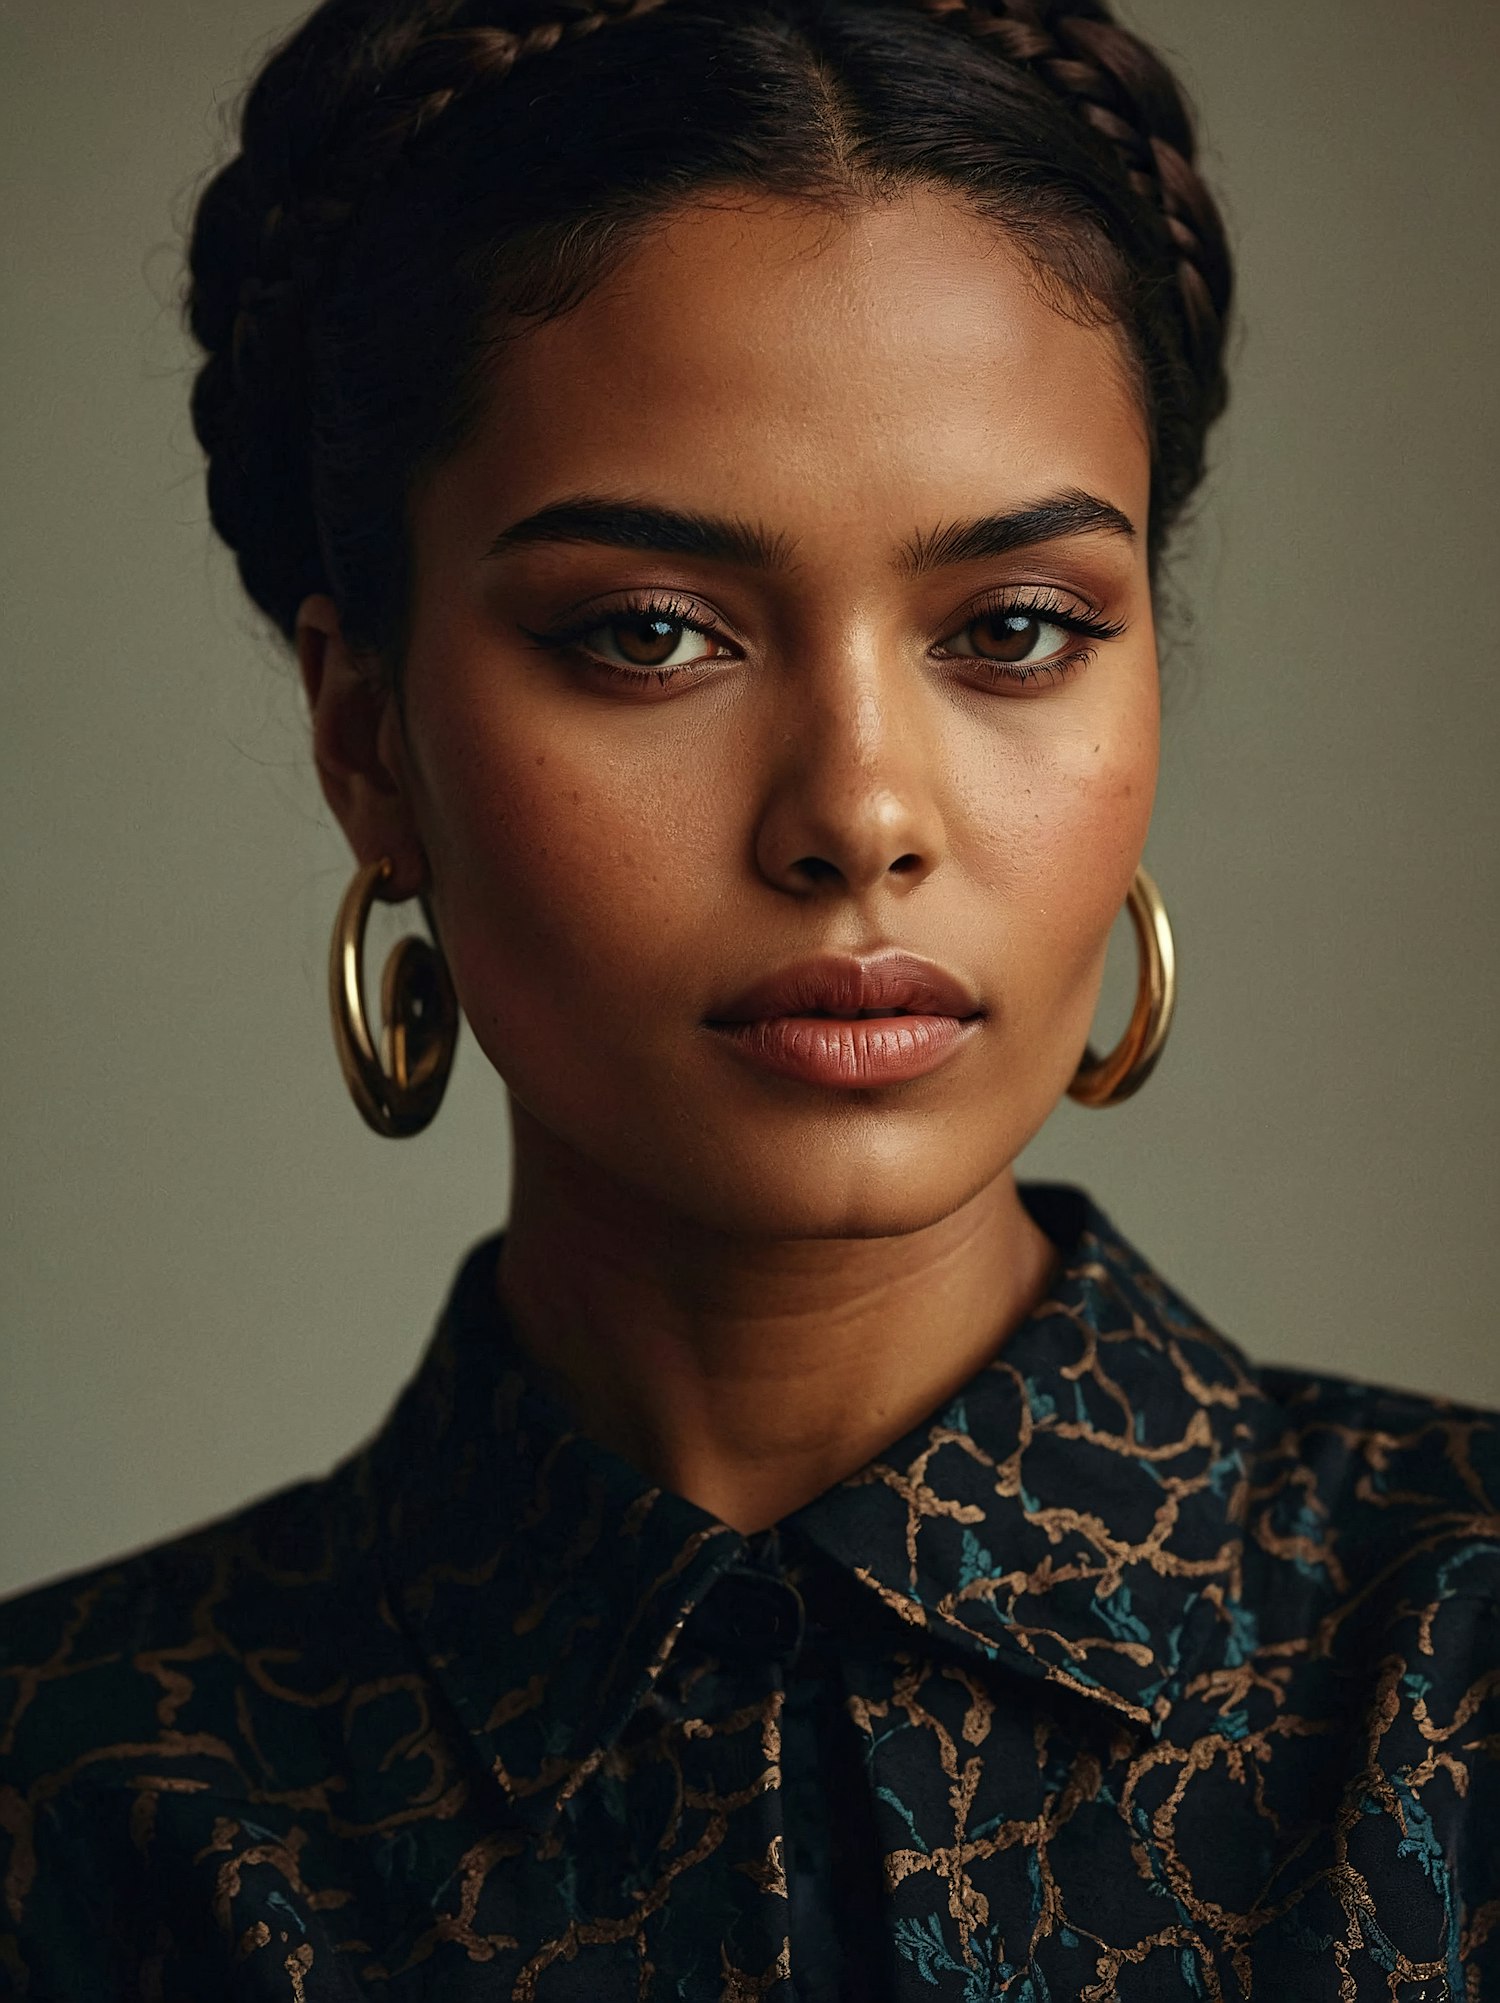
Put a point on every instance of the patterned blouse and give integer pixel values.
(1134, 1672)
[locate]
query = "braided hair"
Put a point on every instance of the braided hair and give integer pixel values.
(419, 180)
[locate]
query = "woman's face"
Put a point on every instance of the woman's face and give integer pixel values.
(652, 762)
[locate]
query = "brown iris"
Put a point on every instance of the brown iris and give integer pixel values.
(1007, 636)
(646, 641)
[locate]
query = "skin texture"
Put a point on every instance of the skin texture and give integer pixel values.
(745, 1283)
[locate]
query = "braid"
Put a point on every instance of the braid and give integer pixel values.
(404, 75)
(1126, 93)
(350, 265)
(328, 119)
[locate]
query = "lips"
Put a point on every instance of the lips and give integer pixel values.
(890, 984)
(848, 1022)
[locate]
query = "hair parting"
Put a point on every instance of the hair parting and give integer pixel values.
(401, 206)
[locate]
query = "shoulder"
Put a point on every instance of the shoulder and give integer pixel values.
(1372, 1493)
(153, 1705)
(1376, 1453)
(1384, 1502)
(127, 1660)
(1359, 1505)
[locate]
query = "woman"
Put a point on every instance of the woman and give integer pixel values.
(712, 462)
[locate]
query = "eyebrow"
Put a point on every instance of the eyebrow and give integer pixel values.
(641, 525)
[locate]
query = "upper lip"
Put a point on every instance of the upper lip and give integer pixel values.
(841, 985)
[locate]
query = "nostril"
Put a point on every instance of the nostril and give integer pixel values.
(905, 864)
(817, 869)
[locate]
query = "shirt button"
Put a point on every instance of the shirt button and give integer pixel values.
(749, 1616)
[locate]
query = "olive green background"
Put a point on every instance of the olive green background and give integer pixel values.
(215, 1279)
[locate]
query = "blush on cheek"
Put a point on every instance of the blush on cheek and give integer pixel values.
(557, 929)
(1081, 864)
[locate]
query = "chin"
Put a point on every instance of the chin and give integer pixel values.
(667, 1157)
(831, 1186)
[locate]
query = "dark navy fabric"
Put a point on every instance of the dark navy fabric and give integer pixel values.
(1134, 1673)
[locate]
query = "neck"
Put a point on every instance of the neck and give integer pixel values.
(750, 1375)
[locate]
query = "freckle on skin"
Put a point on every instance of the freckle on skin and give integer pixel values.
(589, 993)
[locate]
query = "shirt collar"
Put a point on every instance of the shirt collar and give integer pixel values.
(1077, 1511)
(1075, 1514)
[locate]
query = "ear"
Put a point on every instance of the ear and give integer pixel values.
(358, 747)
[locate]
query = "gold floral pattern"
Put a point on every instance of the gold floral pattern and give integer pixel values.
(1136, 1672)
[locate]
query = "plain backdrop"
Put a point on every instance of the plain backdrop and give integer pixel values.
(215, 1279)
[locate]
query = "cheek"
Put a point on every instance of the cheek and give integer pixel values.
(1058, 837)
(1087, 869)
(1088, 846)
(566, 874)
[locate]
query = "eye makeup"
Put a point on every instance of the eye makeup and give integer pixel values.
(1035, 636)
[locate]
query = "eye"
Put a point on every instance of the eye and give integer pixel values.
(1038, 638)
(648, 641)
(654, 640)
(1020, 637)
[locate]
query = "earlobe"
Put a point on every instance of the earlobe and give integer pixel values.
(353, 744)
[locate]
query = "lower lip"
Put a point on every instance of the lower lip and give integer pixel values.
(854, 1055)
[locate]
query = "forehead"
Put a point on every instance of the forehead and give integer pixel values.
(822, 364)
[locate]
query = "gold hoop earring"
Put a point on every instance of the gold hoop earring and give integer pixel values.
(398, 1092)
(1105, 1081)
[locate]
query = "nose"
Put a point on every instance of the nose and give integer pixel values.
(850, 804)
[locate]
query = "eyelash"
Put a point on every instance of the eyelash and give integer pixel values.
(1044, 604)
(1051, 608)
